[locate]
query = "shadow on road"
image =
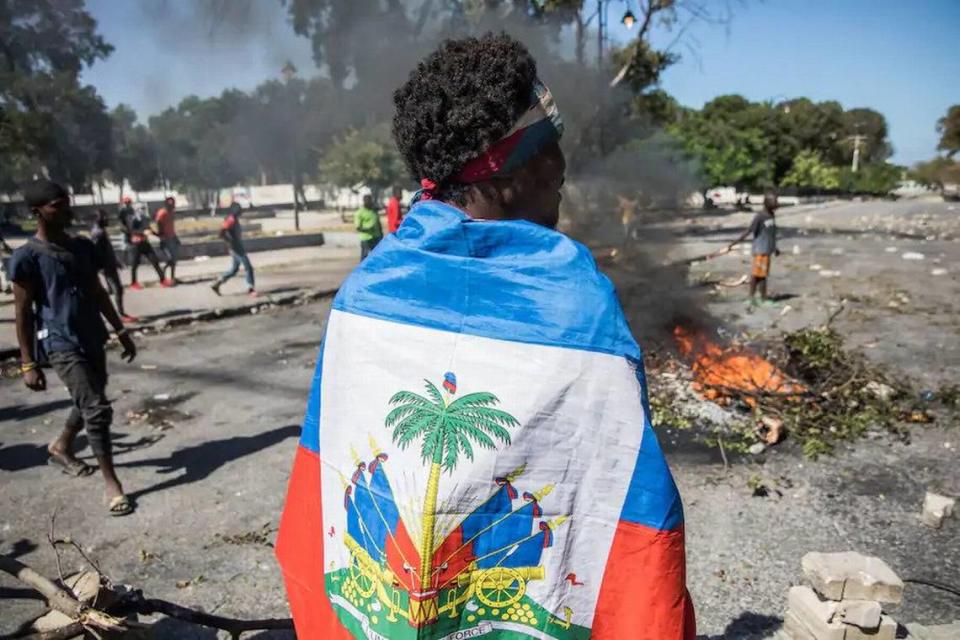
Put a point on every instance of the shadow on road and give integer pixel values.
(748, 626)
(25, 412)
(168, 628)
(22, 456)
(199, 461)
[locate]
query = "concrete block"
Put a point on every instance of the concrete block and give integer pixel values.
(936, 508)
(796, 630)
(934, 632)
(886, 631)
(861, 613)
(804, 602)
(852, 576)
(814, 615)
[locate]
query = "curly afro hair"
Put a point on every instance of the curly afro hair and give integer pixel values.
(459, 100)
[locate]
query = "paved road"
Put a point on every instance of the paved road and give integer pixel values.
(277, 273)
(209, 464)
(904, 313)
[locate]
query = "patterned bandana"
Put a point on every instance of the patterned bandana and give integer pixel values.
(539, 125)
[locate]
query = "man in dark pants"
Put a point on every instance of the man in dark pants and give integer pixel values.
(233, 236)
(59, 302)
(169, 241)
(368, 225)
(109, 265)
(139, 225)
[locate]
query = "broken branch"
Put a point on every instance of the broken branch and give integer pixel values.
(58, 598)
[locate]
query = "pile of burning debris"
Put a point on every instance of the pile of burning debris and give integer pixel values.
(806, 387)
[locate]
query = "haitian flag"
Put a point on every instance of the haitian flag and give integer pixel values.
(477, 459)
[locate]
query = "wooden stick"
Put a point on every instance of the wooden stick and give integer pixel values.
(58, 598)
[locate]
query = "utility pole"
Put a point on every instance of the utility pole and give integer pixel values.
(857, 139)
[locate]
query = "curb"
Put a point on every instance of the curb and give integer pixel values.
(160, 325)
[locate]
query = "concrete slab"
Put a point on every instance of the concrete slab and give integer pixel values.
(851, 575)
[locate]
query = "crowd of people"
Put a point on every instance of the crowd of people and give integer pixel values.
(60, 302)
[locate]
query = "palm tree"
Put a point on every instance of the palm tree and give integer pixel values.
(448, 429)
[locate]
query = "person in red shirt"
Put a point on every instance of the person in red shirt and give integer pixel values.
(169, 241)
(233, 236)
(394, 210)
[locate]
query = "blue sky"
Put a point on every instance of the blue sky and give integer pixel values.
(900, 58)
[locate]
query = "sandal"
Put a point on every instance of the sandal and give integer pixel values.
(120, 506)
(74, 468)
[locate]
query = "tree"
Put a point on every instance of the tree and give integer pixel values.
(193, 141)
(727, 138)
(949, 129)
(135, 152)
(937, 173)
(364, 157)
(870, 124)
(448, 430)
(810, 172)
(49, 122)
(877, 179)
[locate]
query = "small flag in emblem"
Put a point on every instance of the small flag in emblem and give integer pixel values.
(450, 382)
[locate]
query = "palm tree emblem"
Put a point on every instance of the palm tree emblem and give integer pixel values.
(448, 428)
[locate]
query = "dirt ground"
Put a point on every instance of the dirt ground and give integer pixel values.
(208, 418)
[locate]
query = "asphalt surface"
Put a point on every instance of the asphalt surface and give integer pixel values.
(208, 463)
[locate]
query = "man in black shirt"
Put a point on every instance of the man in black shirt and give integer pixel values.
(58, 303)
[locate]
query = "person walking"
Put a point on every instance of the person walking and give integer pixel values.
(107, 261)
(59, 302)
(368, 226)
(124, 214)
(394, 210)
(763, 229)
(139, 225)
(232, 234)
(169, 242)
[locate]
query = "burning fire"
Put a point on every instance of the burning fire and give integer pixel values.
(734, 371)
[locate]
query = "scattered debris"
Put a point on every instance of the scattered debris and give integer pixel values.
(815, 267)
(827, 273)
(845, 601)
(912, 255)
(148, 557)
(938, 271)
(263, 536)
(757, 448)
(936, 508)
(880, 390)
(772, 430)
(183, 584)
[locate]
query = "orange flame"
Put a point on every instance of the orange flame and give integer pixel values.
(720, 372)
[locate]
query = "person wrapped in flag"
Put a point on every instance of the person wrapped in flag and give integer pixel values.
(503, 480)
